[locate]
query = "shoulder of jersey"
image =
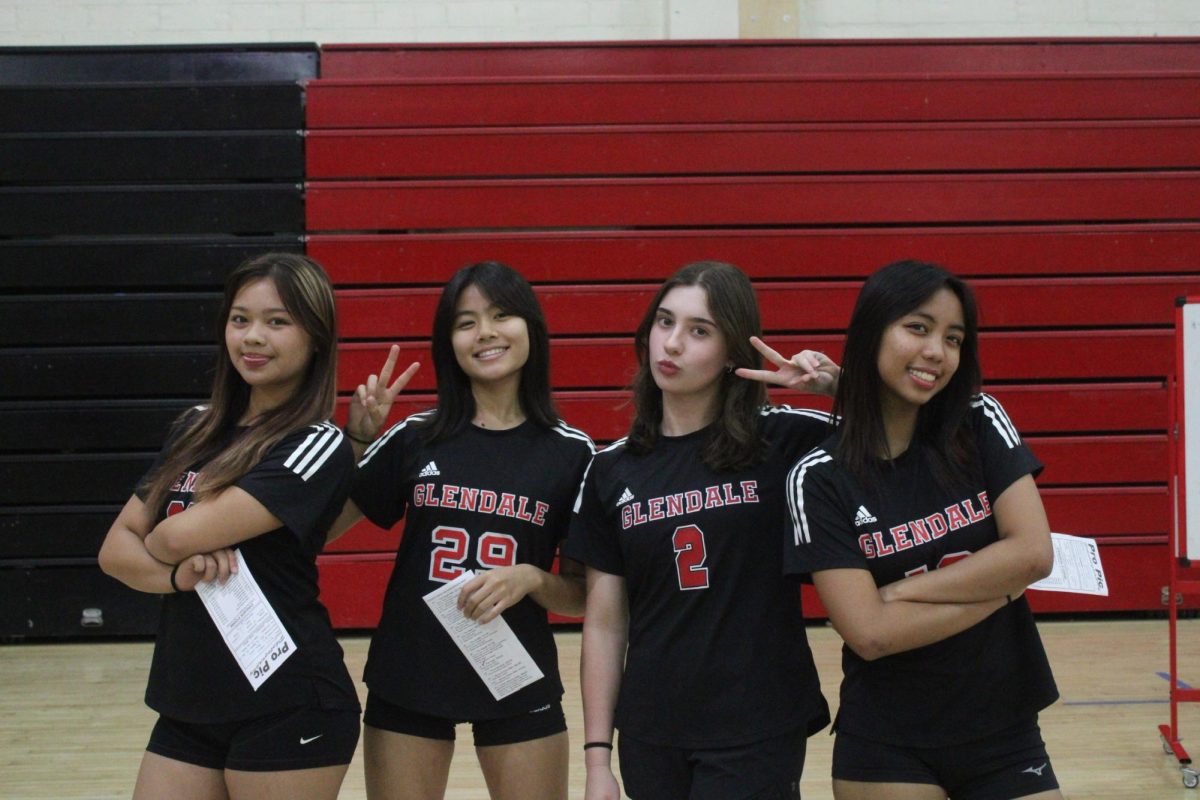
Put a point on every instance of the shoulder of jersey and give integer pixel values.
(311, 447)
(614, 449)
(567, 432)
(391, 433)
(992, 413)
(785, 411)
(190, 415)
(811, 460)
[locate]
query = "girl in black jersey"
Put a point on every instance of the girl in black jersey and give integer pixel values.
(944, 672)
(694, 643)
(259, 469)
(485, 482)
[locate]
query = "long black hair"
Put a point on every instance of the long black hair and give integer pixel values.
(892, 292)
(734, 441)
(506, 288)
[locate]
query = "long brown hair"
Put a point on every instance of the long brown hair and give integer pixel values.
(733, 441)
(207, 434)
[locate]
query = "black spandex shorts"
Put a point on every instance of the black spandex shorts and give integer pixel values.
(537, 724)
(301, 738)
(765, 770)
(1011, 763)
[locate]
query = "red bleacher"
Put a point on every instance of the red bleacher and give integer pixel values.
(1061, 177)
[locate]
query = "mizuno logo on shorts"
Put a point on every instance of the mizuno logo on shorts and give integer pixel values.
(1035, 770)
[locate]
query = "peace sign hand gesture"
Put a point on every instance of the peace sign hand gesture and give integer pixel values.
(809, 370)
(371, 401)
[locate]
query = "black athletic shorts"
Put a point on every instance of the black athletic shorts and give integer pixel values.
(765, 770)
(301, 738)
(1011, 763)
(537, 724)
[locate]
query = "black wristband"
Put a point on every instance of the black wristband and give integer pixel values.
(175, 585)
(353, 438)
(605, 745)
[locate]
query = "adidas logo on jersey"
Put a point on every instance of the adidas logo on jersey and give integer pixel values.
(429, 471)
(863, 517)
(626, 496)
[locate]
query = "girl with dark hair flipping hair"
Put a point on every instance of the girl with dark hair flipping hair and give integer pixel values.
(485, 482)
(944, 672)
(694, 643)
(259, 468)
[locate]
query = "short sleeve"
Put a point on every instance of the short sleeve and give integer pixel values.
(821, 535)
(380, 475)
(797, 430)
(304, 479)
(1005, 457)
(592, 538)
(576, 461)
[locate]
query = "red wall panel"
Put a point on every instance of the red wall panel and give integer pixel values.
(654, 202)
(698, 149)
(1101, 249)
(828, 56)
(1061, 177)
(447, 102)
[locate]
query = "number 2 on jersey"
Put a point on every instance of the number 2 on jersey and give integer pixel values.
(690, 556)
(452, 544)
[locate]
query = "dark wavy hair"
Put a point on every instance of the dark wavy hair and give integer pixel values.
(307, 295)
(508, 289)
(889, 294)
(734, 441)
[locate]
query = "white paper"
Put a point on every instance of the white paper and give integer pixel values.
(1077, 567)
(493, 650)
(248, 624)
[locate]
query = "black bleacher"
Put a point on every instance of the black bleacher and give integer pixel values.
(131, 180)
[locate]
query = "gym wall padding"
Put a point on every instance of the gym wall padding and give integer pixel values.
(131, 180)
(1061, 176)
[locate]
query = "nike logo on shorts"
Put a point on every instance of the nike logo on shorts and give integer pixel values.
(311, 738)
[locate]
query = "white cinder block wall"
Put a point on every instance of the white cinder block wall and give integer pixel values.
(70, 22)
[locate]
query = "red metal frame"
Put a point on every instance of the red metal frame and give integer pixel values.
(1184, 579)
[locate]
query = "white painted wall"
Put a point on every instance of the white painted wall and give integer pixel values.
(32, 22)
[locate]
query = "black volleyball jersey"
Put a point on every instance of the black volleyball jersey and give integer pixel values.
(476, 500)
(972, 684)
(303, 480)
(718, 654)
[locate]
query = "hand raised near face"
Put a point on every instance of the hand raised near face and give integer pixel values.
(809, 370)
(371, 401)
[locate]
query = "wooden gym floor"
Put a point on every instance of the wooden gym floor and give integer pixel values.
(72, 722)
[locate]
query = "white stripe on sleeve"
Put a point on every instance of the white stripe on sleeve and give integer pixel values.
(795, 494)
(999, 418)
